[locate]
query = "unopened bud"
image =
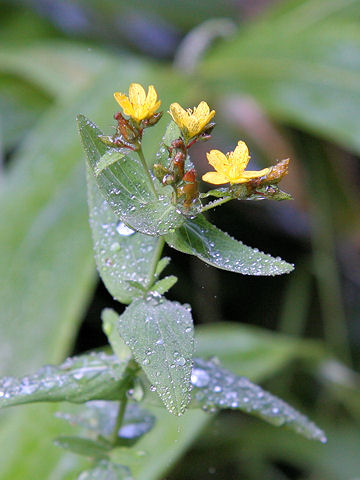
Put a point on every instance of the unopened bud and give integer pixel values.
(151, 121)
(126, 130)
(160, 171)
(179, 144)
(168, 179)
(278, 171)
(178, 163)
(190, 176)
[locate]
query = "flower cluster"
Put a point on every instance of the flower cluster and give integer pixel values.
(194, 124)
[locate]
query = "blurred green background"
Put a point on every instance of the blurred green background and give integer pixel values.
(285, 77)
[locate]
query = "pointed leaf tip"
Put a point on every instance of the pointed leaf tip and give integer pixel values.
(160, 335)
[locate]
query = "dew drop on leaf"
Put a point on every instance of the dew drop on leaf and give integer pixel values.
(124, 230)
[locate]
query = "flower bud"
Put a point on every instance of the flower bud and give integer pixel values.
(178, 163)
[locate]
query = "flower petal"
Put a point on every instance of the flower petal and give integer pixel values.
(241, 155)
(215, 178)
(151, 97)
(124, 103)
(137, 94)
(178, 114)
(202, 110)
(151, 104)
(254, 174)
(218, 160)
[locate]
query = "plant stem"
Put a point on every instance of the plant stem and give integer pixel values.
(156, 258)
(119, 419)
(216, 203)
(144, 164)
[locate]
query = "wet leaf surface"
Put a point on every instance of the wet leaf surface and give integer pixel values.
(126, 187)
(106, 470)
(84, 446)
(217, 388)
(160, 334)
(200, 238)
(121, 254)
(100, 417)
(78, 379)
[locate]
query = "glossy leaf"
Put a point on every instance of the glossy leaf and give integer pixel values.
(121, 254)
(200, 238)
(100, 417)
(172, 133)
(217, 388)
(84, 446)
(78, 379)
(126, 187)
(251, 351)
(160, 335)
(164, 285)
(46, 245)
(106, 470)
(109, 158)
(301, 63)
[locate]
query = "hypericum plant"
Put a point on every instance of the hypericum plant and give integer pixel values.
(136, 206)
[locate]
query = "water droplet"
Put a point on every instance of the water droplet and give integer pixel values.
(115, 247)
(199, 378)
(180, 361)
(124, 230)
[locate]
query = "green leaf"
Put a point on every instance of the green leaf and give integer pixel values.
(217, 388)
(172, 133)
(28, 432)
(301, 63)
(109, 318)
(200, 238)
(160, 335)
(58, 67)
(78, 379)
(121, 254)
(126, 187)
(162, 264)
(46, 263)
(101, 416)
(163, 285)
(167, 442)
(252, 351)
(105, 470)
(21, 105)
(110, 157)
(84, 446)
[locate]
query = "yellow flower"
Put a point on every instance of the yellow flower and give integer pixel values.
(191, 121)
(139, 105)
(230, 167)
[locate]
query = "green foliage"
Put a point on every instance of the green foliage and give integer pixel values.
(217, 388)
(198, 237)
(126, 188)
(100, 417)
(300, 62)
(106, 471)
(160, 333)
(78, 380)
(122, 255)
